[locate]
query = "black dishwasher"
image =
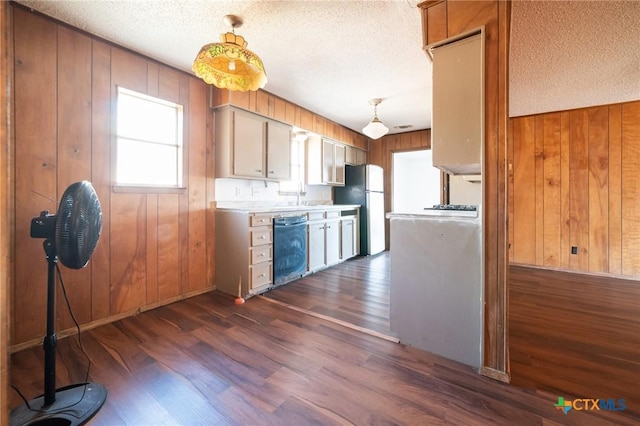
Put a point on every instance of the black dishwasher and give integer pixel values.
(289, 248)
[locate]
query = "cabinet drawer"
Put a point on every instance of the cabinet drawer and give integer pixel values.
(260, 274)
(261, 254)
(333, 214)
(261, 220)
(260, 236)
(316, 216)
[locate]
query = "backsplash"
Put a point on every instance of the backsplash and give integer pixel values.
(258, 192)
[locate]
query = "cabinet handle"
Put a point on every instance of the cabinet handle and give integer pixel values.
(259, 170)
(262, 237)
(262, 255)
(271, 172)
(262, 275)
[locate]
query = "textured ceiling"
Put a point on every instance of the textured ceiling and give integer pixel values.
(332, 57)
(573, 54)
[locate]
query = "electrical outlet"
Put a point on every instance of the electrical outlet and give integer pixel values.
(254, 192)
(237, 191)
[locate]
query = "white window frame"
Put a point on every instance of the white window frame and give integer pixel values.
(297, 168)
(171, 140)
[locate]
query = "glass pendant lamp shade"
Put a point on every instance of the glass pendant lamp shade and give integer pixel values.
(375, 129)
(229, 64)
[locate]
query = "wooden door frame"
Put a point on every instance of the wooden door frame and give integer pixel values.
(5, 211)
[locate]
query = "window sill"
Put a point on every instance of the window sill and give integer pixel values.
(143, 189)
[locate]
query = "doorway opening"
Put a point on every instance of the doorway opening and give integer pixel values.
(416, 183)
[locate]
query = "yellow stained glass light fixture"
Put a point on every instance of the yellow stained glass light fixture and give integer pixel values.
(229, 64)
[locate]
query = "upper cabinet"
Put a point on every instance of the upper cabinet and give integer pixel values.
(251, 146)
(457, 124)
(355, 156)
(271, 106)
(325, 161)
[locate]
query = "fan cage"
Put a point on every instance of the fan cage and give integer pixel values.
(78, 225)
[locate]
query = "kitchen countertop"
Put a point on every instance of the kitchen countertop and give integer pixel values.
(276, 209)
(439, 214)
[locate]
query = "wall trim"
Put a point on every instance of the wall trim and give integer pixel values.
(108, 320)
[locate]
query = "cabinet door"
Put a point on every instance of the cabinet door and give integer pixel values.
(347, 249)
(313, 164)
(339, 161)
(457, 130)
(278, 151)
(351, 155)
(328, 164)
(361, 157)
(248, 145)
(332, 242)
(316, 246)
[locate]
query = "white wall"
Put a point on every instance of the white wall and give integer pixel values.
(464, 192)
(416, 183)
(256, 192)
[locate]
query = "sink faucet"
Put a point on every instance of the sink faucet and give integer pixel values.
(299, 194)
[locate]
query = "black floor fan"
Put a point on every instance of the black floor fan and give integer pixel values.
(71, 235)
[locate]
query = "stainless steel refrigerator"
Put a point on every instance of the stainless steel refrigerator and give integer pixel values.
(364, 185)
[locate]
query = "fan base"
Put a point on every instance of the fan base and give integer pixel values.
(73, 406)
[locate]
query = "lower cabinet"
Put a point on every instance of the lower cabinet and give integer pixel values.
(348, 238)
(244, 253)
(315, 252)
(325, 241)
(332, 238)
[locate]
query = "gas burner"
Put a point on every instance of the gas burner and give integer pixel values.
(465, 207)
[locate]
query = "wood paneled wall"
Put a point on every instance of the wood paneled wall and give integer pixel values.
(154, 247)
(441, 20)
(381, 153)
(272, 106)
(576, 184)
(4, 209)
(575, 334)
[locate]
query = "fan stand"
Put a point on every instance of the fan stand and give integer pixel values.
(69, 405)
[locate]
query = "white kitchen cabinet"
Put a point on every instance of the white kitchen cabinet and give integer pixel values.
(332, 241)
(325, 162)
(351, 156)
(328, 161)
(355, 156)
(316, 245)
(457, 131)
(251, 146)
(324, 239)
(332, 237)
(248, 140)
(338, 164)
(244, 252)
(348, 237)
(361, 157)
(278, 150)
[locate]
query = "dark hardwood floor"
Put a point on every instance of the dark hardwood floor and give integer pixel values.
(355, 291)
(206, 361)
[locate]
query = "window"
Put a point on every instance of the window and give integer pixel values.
(296, 183)
(148, 141)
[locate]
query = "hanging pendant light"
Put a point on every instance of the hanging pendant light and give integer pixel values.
(229, 64)
(375, 129)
